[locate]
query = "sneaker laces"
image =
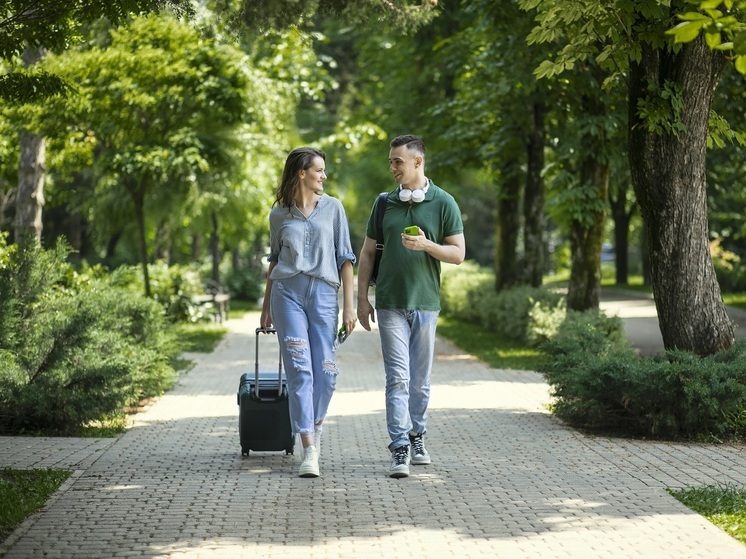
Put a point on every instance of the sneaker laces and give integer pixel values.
(418, 445)
(401, 454)
(309, 454)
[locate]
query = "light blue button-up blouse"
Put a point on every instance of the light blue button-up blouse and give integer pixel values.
(316, 245)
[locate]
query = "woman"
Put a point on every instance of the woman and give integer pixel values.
(310, 254)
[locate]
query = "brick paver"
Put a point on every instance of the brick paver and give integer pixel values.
(507, 479)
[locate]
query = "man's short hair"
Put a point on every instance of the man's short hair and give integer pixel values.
(413, 143)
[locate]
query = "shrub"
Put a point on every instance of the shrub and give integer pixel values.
(173, 287)
(597, 380)
(457, 282)
(603, 386)
(729, 268)
(72, 348)
(528, 315)
(243, 275)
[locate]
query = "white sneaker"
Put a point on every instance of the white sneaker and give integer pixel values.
(420, 456)
(399, 462)
(310, 465)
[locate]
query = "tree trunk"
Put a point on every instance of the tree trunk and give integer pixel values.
(31, 169)
(506, 231)
(6, 195)
(196, 246)
(138, 202)
(30, 194)
(75, 236)
(621, 248)
(668, 175)
(111, 245)
(586, 238)
(215, 250)
(621, 217)
(533, 199)
(162, 246)
(645, 256)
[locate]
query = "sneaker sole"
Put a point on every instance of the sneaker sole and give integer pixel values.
(308, 472)
(421, 462)
(399, 473)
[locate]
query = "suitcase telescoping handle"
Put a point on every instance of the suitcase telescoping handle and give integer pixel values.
(256, 363)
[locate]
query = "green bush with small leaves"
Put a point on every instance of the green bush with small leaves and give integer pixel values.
(174, 287)
(73, 349)
(602, 386)
(598, 382)
(525, 314)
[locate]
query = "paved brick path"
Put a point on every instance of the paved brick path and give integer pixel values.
(507, 479)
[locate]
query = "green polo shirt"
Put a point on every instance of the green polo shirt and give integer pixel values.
(408, 279)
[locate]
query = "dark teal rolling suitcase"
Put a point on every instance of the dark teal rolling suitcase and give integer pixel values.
(263, 410)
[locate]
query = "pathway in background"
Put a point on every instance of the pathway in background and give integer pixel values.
(641, 318)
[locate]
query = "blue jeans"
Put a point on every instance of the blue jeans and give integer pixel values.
(305, 312)
(407, 345)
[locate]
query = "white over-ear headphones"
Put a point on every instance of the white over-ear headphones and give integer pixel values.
(417, 195)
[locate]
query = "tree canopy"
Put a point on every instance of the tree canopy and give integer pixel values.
(56, 25)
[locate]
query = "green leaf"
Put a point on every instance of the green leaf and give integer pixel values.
(692, 16)
(687, 31)
(712, 39)
(724, 46)
(741, 64)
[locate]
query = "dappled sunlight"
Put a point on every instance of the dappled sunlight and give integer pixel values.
(475, 395)
(629, 309)
(124, 488)
(494, 534)
(356, 403)
(178, 406)
(457, 357)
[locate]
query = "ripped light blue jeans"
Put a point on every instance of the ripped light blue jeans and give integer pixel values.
(305, 312)
(407, 345)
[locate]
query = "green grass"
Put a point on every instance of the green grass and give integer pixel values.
(200, 337)
(203, 337)
(23, 492)
(486, 345)
(725, 507)
(239, 308)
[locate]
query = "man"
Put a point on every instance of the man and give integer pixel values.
(408, 293)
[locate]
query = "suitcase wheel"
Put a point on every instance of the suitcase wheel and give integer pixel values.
(288, 451)
(244, 452)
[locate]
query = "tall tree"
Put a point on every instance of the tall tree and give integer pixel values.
(27, 31)
(668, 174)
(498, 116)
(670, 96)
(161, 104)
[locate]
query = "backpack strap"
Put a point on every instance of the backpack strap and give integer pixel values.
(380, 210)
(382, 198)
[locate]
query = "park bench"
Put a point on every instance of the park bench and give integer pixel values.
(216, 300)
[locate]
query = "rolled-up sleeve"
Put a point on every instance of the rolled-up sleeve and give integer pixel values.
(342, 244)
